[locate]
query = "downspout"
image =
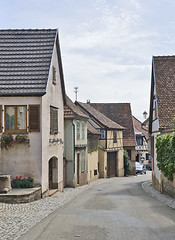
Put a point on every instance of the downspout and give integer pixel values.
(73, 124)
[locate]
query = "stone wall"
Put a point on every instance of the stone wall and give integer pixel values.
(164, 186)
(156, 184)
(168, 187)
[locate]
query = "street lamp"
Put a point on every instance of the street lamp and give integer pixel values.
(145, 114)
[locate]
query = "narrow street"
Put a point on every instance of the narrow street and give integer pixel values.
(116, 209)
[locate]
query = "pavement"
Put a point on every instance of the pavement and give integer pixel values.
(16, 219)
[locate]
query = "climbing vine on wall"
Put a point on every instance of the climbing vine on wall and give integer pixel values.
(165, 145)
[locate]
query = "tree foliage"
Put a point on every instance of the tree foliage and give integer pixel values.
(127, 163)
(165, 145)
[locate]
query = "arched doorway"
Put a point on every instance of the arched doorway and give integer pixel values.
(53, 173)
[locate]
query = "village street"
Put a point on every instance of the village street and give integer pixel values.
(117, 208)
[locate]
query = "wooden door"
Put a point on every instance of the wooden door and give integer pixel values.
(111, 164)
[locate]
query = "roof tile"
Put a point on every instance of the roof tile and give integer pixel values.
(121, 114)
(25, 54)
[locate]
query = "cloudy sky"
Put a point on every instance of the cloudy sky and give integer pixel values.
(106, 45)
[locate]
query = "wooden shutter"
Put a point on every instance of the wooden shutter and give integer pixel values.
(0, 118)
(34, 118)
(53, 120)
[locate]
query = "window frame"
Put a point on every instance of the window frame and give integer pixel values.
(83, 126)
(15, 130)
(78, 130)
(54, 80)
(53, 128)
(115, 136)
(103, 133)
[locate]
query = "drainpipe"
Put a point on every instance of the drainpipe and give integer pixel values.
(73, 124)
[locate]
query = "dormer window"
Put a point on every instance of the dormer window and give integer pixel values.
(54, 75)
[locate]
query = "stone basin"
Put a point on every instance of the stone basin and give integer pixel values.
(5, 183)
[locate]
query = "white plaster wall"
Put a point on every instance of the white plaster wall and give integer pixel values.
(120, 165)
(22, 159)
(69, 151)
(92, 165)
(53, 97)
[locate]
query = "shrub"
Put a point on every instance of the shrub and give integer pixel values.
(127, 163)
(22, 182)
(165, 145)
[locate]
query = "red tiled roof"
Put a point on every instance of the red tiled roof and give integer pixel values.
(100, 117)
(164, 76)
(92, 129)
(139, 127)
(71, 109)
(121, 114)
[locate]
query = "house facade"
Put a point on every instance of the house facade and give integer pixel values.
(93, 137)
(141, 133)
(110, 150)
(162, 113)
(75, 147)
(32, 97)
(121, 114)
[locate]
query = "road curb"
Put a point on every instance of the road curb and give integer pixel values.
(149, 189)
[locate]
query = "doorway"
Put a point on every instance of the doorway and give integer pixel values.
(111, 164)
(53, 173)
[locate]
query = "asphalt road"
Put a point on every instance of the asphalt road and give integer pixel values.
(116, 210)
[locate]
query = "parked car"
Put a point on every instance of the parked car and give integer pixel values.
(140, 168)
(149, 167)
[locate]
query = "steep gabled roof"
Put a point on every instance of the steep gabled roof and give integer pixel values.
(121, 114)
(104, 121)
(91, 129)
(71, 110)
(163, 80)
(25, 58)
(140, 128)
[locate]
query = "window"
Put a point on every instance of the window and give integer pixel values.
(95, 172)
(139, 140)
(103, 134)
(83, 130)
(34, 118)
(78, 130)
(15, 118)
(114, 136)
(53, 120)
(54, 75)
(82, 161)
